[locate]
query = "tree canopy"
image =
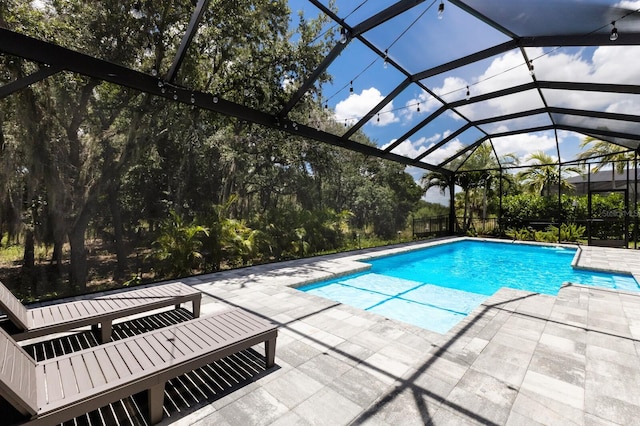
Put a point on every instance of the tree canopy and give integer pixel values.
(121, 184)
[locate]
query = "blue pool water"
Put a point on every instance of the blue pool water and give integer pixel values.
(436, 287)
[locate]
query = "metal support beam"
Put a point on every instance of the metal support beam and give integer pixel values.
(474, 57)
(444, 141)
(59, 57)
(416, 128)
(311, 80)
(28, 80)
(377, 108)
(186, 39)
(385, 15)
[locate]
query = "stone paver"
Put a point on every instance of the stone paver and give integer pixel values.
(518, 359)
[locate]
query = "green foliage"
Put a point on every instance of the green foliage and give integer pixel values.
(569, 232)
(522, 234)
(518, 209)
(177, 251)
(426, 209)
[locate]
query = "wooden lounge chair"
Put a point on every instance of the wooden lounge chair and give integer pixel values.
(62, 388)
(98, 310)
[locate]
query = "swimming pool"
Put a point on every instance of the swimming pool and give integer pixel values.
(435, 287)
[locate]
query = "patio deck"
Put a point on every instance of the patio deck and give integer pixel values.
(519, 358)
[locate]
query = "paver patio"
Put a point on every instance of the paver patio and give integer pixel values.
(518, 359)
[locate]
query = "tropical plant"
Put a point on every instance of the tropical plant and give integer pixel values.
(545, 173)
(177, 251)
(606, 154)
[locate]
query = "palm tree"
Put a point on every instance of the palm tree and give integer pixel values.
(608, 154)
(483, 158)
(543, 174)
(477, 171)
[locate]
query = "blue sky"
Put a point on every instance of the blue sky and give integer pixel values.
(418, 40)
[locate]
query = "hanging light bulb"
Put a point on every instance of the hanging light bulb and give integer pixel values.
(345, 122)
(136, 10)
(343, 35)
(193, 98)
(440, 10)
(418, 109)
(614, 32)
(148, 50)
(531, 72)
(386, 58)
(468, 96)
(378, 119)
(215, 99)
(351, 87)
(175, 96)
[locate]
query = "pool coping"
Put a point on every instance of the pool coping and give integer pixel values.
(359, 263)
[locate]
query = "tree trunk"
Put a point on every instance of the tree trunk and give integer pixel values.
(613, 177)
(466, 207)
(28, 260)
(79, 268)
(116, 215)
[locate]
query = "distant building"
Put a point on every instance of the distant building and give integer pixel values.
(604, 180)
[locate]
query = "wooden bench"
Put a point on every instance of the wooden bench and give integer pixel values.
(62, 388)
(99, 310)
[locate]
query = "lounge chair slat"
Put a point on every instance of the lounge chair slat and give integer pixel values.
(66, 386)
(49, 319)
(194, 333)
(215, 331)
(140, 356)
(107, 367)
(119, 366)
(175, 347)
(128, 357)
(158, 341)
(68, 378)
(13, 308)
(53, 382)
(151, 352)
(94, 369)
(54, 313)
(81, 372)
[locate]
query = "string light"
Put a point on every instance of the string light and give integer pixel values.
(418, 109)
(351, 87)
(386, 58)
(531, 68)
(378, 120)
(343, 35)
(193, 98)
(468, 96)
(614, 32)
(440, 10)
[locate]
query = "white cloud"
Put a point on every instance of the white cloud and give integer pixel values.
(524, 144)
(357, 106)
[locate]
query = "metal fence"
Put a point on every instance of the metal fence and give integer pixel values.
(430, 227)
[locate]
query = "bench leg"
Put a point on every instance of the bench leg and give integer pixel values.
(270, 351)
(195, 307)
(155, 398)
(105, 331)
